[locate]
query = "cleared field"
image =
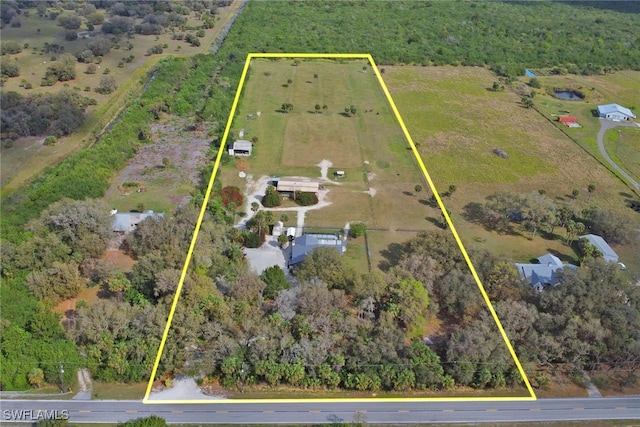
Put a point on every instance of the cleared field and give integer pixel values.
(458, 122)
(623, 145)
(381, 171)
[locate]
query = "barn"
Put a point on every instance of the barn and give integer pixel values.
(615, 112)
(293, 184)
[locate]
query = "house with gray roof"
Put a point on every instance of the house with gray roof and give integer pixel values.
(607, 253)
(126, 222)
(615, 112)
(546, 273)
(301, 246)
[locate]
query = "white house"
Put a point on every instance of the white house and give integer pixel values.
(615, 112)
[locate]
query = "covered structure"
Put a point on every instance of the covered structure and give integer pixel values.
(126, 222)
(293, 184)
(615, 112)
(303, 245)
(607, 253)
(241, 147)
(546, 273)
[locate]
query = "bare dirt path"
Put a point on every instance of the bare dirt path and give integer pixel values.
(605, 125)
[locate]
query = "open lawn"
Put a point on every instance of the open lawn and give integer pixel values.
(623, 146)
(457, 123)
(381, 171)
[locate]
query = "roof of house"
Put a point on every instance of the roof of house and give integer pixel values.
(308, 242)
(550, 260)
(615, 108)
(298, 184)
(539, 274)
(126, 222)
(545, 273)
(597, 241)
(242, 145)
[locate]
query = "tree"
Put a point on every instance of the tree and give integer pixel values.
(286, 107)
(527, 101)
(452, 189)
(36, 376)
(107, 85)
(353, 110)
(538, 210)
(255, 207)
(8, 69)
(575, 193)
(70, 22)
(417, 188)
(276, 281)
(591, 189)
(318, 107)
(91, 69)
(357, 229)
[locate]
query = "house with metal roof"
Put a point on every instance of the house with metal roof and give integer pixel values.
(615, 112)
(546, 273)
(607, 253)
(126, 222)
(241, 147)
(293, 184)
(301, 246)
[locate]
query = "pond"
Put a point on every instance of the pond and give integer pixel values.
(568, 95)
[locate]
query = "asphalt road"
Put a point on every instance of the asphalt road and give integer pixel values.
(103, 411)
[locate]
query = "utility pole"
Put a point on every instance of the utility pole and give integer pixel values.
(62, 377)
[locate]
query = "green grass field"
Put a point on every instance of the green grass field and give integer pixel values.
(457, 122)
(369, 146)
(623, 146)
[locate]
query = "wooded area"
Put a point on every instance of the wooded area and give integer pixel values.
(338, 328)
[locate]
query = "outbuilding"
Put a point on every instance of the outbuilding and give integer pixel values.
(615, 112)
(293, 184)
(241, 147)
(607, 253)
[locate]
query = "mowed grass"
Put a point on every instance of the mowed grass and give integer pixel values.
(623, 146)
(457, 122)
(369, 146)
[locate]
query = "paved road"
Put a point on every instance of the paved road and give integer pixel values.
(604, 126)
(268, 413)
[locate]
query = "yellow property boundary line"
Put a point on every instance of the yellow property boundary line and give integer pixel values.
(440, 204)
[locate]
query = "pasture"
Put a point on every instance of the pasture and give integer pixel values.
(457, 122)
(381, 171)
(623, 146)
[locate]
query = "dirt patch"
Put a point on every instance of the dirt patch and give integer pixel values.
(120, 259)
(68, 306)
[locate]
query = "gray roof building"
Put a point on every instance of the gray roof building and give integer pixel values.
(547, 272)
(306, 243)
(293, 184)
(607, 253)
(615, 112)
(126, 222)
(241, 147)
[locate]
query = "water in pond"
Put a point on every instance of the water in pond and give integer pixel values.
(567, 95)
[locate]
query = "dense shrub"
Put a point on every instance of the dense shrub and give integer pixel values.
(230, 195)
(7, 69)
(358, 229)
(305, 199)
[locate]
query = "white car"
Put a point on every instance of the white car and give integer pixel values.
(622, 266)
